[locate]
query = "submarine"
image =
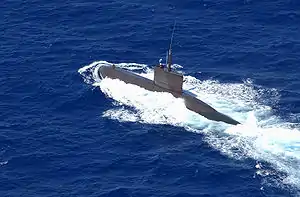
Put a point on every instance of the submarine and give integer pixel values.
(166, 80)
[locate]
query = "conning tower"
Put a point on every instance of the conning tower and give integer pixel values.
(169, 80)
(166, 77)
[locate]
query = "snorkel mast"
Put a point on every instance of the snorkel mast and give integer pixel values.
(169, 61)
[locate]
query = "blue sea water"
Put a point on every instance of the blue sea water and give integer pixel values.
(63, 132)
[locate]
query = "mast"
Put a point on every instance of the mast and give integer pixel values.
(169, 62)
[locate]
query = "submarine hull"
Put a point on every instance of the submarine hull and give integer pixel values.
(191, 102)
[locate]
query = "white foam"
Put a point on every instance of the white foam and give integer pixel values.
(3, 163)
(262, 136)
(121, 115)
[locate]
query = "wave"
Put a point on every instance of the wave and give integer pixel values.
(3, 163)
(263, 136)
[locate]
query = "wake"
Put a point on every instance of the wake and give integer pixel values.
(262, 136)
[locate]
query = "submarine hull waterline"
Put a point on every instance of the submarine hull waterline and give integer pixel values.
(191, 102)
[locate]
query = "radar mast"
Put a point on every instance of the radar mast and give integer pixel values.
(169, 62)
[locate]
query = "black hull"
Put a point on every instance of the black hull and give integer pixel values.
(191, 102)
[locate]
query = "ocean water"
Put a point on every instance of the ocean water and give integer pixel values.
(65, 132)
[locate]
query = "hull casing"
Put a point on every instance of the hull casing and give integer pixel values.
(166, 83)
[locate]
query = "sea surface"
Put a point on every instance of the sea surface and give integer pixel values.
(64, 132)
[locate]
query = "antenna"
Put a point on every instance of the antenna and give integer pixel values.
(170, 49)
